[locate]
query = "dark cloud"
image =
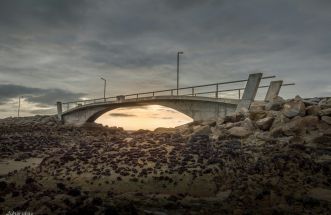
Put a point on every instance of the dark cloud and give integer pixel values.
(43, 97)
(121, 115)
(48, 13)
(183, 4)
(125, 55)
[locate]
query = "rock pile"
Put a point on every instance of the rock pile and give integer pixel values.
(273, 159)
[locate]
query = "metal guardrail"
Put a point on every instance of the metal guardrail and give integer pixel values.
(172, 92)
(238, 89)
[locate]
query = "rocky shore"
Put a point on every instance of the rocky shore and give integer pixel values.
(273, 159)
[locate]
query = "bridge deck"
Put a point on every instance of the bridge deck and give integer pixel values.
(148, 99)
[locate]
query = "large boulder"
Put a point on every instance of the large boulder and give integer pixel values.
(247, 123)
(294, 108)
(198, 131)
(326, 119)
(265, 123)
(239, 132)
(201, 130)
(325, 112)
(275, 103)
(257, 114)
(325, 103)
(234, 117)
(313, 110)
(279, 119)
(297, 126)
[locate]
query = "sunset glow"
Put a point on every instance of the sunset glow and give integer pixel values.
(144, 117)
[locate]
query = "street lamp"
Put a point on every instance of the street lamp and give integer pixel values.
(104, 88)
(19, 106)
(178, 53)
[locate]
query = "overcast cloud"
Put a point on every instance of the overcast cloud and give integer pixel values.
(57, 49)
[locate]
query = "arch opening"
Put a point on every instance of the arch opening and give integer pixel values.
(143, 117)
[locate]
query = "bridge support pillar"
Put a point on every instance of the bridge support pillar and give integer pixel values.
(273, 90)
(59, 110)
(250, 91)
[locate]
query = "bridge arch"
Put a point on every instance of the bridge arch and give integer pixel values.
(97, 115)
(144, 117)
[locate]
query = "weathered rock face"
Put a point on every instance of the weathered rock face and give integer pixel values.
(263, 161)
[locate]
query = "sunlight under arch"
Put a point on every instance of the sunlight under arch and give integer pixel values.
(144, 117)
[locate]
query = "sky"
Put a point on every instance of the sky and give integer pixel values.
(57, 50)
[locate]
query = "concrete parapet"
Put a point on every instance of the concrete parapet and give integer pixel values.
(250, 91)
(273, 90)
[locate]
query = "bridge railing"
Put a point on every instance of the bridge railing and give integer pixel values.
(172, 92)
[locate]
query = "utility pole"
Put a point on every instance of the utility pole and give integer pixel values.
(104, 88)
(178, 53)
(19, 106)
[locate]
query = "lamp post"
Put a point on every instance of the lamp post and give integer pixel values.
(178, 53)
(19, 106)
(104, 88)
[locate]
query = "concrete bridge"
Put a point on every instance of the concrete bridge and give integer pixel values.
(194, 104)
